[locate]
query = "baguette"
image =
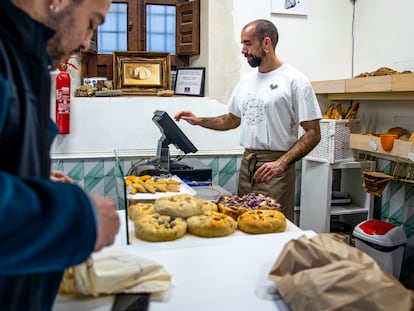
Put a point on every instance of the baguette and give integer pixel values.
(328, 112)
(337, 113)
(352, 112)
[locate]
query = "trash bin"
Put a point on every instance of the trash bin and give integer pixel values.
(384, 242)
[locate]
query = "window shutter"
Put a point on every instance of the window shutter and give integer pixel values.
(94, 43)
(88, 58)
(188, 28)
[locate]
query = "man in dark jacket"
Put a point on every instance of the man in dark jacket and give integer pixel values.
(45, 226)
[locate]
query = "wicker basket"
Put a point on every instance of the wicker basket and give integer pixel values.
(334, 144)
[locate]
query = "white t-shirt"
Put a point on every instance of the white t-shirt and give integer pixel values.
(271, 106)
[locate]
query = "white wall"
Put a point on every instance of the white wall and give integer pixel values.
(384, 35)
(320, 44)
(100, 125)
(220, 48)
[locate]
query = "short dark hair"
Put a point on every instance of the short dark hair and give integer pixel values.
(265, 28)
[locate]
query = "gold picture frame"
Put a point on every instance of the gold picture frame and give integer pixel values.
(142, 73)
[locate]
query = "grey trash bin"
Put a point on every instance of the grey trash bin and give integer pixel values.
(384, 242)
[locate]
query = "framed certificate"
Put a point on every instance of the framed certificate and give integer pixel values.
(189, 81)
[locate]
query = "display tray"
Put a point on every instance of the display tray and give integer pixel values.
(189, 240)
(184, 188)
(209, 193)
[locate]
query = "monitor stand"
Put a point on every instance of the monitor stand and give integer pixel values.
(191, 169)
(178, 165)
(164, 159)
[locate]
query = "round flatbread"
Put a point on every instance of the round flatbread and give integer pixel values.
(159, 228)
(212, 225)
(179, 205)
(262, 221)
(235, 206)
(208, 207)
(234, 211)
(140, 208)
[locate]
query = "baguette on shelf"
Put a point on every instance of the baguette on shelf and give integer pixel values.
(335, 112)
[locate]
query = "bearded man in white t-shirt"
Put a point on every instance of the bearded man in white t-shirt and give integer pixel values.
(269, 104)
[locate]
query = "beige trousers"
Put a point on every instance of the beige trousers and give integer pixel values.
(282, 187)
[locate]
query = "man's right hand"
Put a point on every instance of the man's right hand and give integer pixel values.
(108, 219)
(187, 116)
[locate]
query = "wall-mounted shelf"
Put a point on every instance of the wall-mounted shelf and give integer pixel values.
(391, 87)
(402, 150)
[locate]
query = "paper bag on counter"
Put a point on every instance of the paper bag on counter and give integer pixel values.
(324, 273)
(113, 272)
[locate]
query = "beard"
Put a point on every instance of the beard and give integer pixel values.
(57, 47)
(56, 53)
(255, 61)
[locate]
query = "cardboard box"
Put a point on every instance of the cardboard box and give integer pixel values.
(371, 143)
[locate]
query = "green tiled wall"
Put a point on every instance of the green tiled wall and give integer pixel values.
(100, 175)
(397, 207)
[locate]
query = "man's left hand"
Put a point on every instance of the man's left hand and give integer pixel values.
(267, 171)
(59, 176)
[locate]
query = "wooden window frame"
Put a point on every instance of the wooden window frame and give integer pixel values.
(187, 36)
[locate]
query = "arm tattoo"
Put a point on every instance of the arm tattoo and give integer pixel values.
(220, 123)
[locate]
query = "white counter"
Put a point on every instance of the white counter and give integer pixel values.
(218, 274)
(125, 123)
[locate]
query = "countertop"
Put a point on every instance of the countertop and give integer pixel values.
(228, 273)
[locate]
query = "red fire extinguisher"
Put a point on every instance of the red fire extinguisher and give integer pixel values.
(63, 100)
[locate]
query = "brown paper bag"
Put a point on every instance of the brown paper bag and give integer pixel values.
(323, 273)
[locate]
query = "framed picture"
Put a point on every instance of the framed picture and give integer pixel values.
(189, 81)
(297, 7)
(142, 73)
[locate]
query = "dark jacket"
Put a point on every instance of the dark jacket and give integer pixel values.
(44, 226)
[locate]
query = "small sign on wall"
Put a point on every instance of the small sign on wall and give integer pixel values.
(297, 7)
(190, 81)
